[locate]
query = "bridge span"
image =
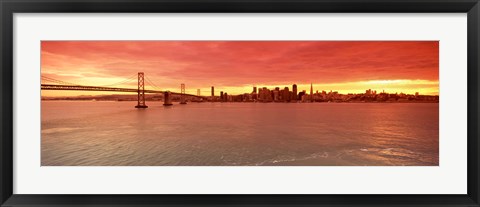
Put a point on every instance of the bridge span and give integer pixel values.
(167, 95)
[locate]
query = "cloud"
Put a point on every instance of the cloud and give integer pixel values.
(201, 64)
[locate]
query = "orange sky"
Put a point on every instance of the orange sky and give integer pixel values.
(236, 66)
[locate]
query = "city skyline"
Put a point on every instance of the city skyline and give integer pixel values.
(265, 95)
(235, 66)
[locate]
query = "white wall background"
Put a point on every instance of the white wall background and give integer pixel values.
(449, 177)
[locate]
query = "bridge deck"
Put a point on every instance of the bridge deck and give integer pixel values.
(99, 88)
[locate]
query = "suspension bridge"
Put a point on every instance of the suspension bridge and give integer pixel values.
(54, 84)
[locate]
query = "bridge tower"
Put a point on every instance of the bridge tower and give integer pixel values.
(141, 91)
(198, 96)
(167, 98)
(182, 96)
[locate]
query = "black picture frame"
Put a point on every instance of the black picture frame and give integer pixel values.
(10, 7)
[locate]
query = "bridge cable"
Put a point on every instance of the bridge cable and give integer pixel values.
(150, 82)
(52, 80)
(129, 79)
(47, 79)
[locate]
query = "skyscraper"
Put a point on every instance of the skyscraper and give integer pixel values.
(286, 94)
(294, 91)
(311, 92)
(213, 94)
(275, 95)
(277, 90)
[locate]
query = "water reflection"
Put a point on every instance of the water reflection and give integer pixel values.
(224, 134)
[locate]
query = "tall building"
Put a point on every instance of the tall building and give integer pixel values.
(264, 94)
(301, 95)
(286, 94)
(277, 90)
(311, 92)
(275, 95)
(294, 91)
(213, 94)
(254, 93)
(368, 92)
(259, 94)
(221, 95)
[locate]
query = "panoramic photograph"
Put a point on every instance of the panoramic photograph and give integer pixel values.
(239, 103)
